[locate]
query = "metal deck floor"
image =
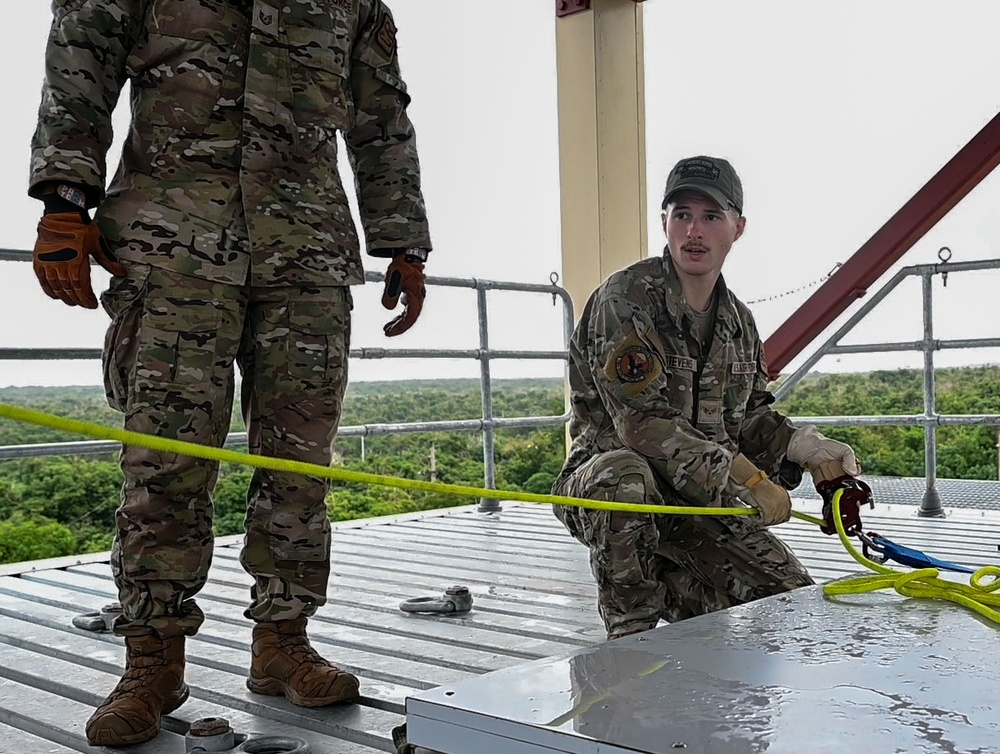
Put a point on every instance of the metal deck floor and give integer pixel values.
(533, 596)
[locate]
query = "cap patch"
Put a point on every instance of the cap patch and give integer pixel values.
(699, 169)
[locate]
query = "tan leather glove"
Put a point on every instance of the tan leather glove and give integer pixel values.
(65, 244)
(826, 459)
(833, 467)
(403, 278)
(753, 487)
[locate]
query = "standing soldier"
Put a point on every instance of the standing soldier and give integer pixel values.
(231, 241)
(670, 407)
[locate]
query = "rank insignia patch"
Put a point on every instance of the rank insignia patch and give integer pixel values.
(386, 36)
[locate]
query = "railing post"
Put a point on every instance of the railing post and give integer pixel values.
(486, 505)
(930, 506)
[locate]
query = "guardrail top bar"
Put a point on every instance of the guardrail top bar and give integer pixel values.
(487, 424)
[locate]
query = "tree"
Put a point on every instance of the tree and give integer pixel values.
(31, 540)
(44, 500)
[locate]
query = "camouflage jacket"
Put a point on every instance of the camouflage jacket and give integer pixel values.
(638, 380)
(229, 169)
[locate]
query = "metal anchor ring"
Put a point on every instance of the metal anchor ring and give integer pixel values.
(98, 620)
(90, 621)
(214, 735)
(456, 599)
(276, 745)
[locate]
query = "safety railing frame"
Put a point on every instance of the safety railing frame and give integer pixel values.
(930, 420)
(488, 424)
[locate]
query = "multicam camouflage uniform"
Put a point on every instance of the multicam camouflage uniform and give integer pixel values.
(657, 421)
(228, 210)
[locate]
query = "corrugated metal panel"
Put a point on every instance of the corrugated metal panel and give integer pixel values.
(533, 598)
(976, 494)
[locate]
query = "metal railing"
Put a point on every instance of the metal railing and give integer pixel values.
(930, 419)
(488, 424)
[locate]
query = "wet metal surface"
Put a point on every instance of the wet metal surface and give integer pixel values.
(533, 599)
(790, 674)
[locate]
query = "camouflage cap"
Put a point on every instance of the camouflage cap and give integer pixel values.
(712, 176)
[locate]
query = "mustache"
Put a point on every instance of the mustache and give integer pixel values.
(693, 247)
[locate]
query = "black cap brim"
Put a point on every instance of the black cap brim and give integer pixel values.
(709, 190)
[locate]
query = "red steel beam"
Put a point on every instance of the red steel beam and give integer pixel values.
(569, 7)
(939, 195)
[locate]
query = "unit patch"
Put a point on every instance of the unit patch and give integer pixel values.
(633, 364)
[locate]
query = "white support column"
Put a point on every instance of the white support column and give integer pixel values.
(602, 145)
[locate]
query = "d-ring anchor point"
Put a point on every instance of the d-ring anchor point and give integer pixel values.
(456, 599)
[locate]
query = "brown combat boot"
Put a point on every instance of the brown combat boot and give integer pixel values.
(153, 685)
(284, 663)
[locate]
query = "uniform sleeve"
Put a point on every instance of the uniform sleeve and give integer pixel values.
(89, 41)
(765, 433)
(381, 144)
(627, 359)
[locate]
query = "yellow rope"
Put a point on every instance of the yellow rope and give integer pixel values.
(923, 583)
(919, 583)
(179, 447)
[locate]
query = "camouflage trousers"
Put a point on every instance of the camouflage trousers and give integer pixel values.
(667, 567)
(170, 356)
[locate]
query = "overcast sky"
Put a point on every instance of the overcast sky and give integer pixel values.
(834, 114)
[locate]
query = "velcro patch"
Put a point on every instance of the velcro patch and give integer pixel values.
(709, 412)
(633, 364)
(685, 363)
(386, 36)
(744, 367)
(266, 19)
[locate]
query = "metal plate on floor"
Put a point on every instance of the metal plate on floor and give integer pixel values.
(792, 673)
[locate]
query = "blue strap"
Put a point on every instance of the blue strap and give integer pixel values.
(907, 555)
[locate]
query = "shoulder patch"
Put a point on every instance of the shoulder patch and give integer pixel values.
(633, 364)
(386, 36)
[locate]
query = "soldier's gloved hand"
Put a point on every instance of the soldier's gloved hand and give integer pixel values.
(833, 466)
(67, 239)
(754, 488)
(856, 493)
(825, 458)
(404, 277)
